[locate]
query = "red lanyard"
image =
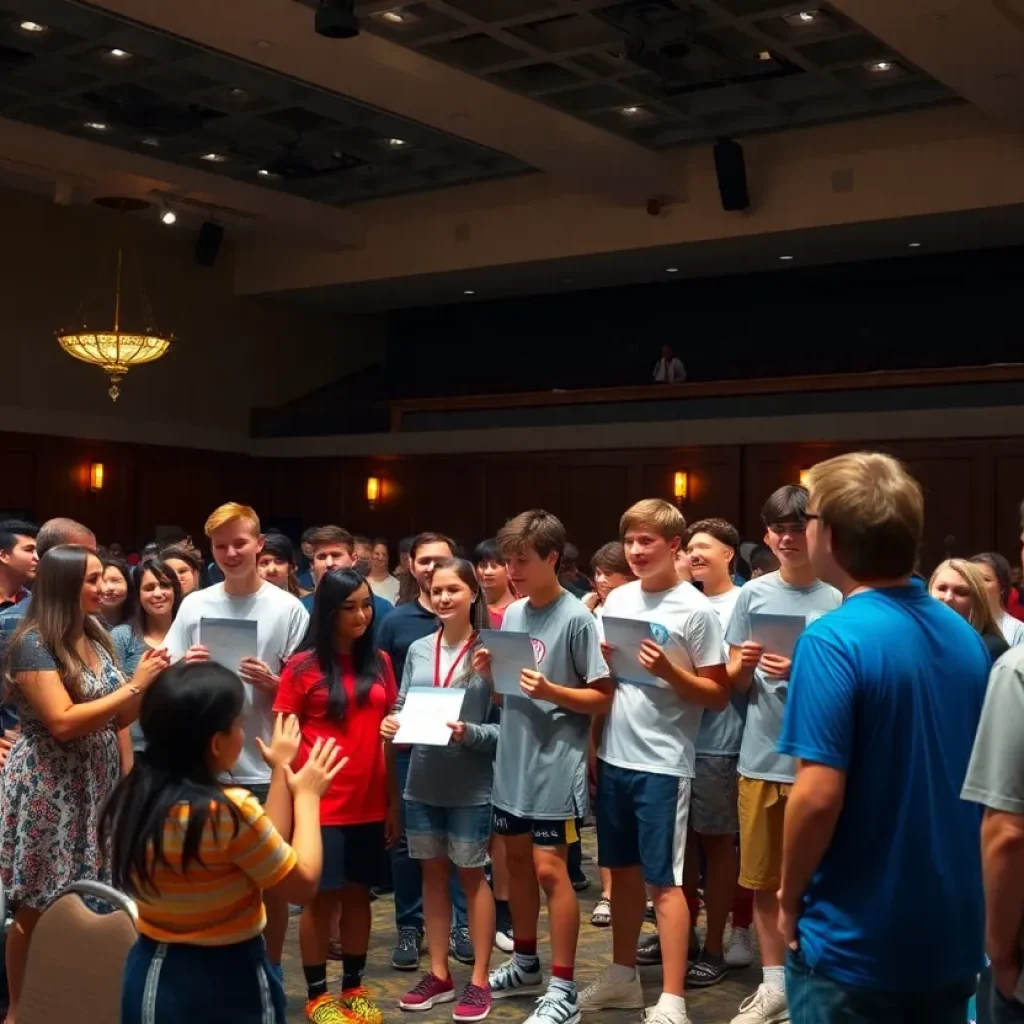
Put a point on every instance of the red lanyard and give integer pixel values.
(455, 664)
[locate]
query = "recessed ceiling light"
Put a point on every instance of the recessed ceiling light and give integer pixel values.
(630, 111)
(799, 19)
(397, 143)
(913, 245)
(785, 257)
(97, 126)
(765, 55)
(213, 158)
(469, 291)
(118, 54)
(238, 94)
(880, 65)
(168, 217)
(263, 172)
(671, 270)
(32, 26)
(395, 17)
(262, 44)
(151, 140)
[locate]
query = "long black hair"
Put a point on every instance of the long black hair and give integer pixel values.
(320, 641)
(181, 713)
(127, 611)
(1000, 568)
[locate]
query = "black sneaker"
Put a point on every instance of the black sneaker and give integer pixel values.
(460, 946)
(648, 951)
(706, 971)
(406, 954)
(580, 882)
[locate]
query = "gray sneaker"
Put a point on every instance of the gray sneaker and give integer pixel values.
(406, 954)
(510, 981)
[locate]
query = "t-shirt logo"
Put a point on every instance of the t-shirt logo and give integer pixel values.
(539, 650)
(659, 633)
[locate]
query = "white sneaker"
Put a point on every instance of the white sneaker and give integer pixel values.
(604, 993)
(740, 953)
(657, 1015)
(556, 1006)
(765, 1006)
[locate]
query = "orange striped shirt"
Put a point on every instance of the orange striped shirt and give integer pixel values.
(219, 902)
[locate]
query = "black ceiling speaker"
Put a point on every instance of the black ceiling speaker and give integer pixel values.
(208, 243)
(732, 175)
(336, 19)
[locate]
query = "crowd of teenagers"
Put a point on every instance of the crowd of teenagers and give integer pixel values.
(850, 789)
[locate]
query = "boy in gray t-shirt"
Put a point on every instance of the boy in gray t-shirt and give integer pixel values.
(540, 774)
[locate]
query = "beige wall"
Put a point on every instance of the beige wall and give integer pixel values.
(231, 354)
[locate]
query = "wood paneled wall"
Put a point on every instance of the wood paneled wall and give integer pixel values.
(973, 488)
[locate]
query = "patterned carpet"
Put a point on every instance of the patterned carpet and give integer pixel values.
(708, 1006)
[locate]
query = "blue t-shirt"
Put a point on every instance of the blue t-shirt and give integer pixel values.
(889, 688)
(402, 628)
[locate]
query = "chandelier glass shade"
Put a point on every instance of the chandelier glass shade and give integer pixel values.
(113, 350)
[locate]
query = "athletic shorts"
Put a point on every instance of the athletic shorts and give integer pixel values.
(545, 832)
(641, 821)
(261, 791)
(762, 808)
(354, 855)
(713, 810)
(462, 834)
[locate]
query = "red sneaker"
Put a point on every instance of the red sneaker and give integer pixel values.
(430, 991)
(474, 1004)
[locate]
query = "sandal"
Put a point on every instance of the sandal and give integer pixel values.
(601, 917)
(702, 972)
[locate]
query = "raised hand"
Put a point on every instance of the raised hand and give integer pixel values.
(284, 743)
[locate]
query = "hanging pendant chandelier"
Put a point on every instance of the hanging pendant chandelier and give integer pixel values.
(113, 350)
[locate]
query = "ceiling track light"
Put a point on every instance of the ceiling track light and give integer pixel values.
(32, 26)
(168, 216)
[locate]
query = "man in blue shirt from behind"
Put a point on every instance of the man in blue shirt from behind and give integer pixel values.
(881, 900)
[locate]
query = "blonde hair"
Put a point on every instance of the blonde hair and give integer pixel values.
(980, 616)
(229, 513)
(661, 516)
(875, 511)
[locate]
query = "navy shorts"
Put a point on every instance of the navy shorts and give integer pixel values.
(553, 832)
(641, 822)
(354, 855)
(175, 982)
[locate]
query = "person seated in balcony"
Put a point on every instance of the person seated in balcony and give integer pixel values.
(669, 368)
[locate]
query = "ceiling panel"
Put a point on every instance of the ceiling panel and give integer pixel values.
(95, 76)
(633, 66)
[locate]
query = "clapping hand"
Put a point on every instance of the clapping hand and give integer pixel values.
(316, 775)
(284, 743)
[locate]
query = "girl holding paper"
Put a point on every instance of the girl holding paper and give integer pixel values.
(448, 792)
(341, 688)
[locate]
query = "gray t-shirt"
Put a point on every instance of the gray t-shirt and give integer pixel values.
(766, 699)
(650, 728)
(721, 732)
(281, 624)
(541, 767)
(995, 776)
(459, 775)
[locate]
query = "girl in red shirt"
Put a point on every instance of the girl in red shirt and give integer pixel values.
(340, 687)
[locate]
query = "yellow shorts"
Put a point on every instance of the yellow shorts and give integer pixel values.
(762, 807)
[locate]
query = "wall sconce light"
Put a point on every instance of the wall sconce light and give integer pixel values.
(96, 476)
(805, 475)
(681, 486)
(373, 490)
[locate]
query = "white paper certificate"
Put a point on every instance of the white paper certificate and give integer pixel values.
(777, 634)
(228, 640)
(510, 652)
(626, 636)
(426, 713)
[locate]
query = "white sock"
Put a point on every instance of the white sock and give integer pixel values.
(775, 978)
(672, 1004)
(617, 973)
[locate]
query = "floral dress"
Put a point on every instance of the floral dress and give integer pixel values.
(51, 793)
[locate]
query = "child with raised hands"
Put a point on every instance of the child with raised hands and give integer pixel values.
(196, 855)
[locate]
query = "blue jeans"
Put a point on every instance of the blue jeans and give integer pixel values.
(406, 875)
(815, 999)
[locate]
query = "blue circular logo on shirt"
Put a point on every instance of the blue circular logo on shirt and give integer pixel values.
(660, 634)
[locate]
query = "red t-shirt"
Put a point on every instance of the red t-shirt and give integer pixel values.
(359, 793)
